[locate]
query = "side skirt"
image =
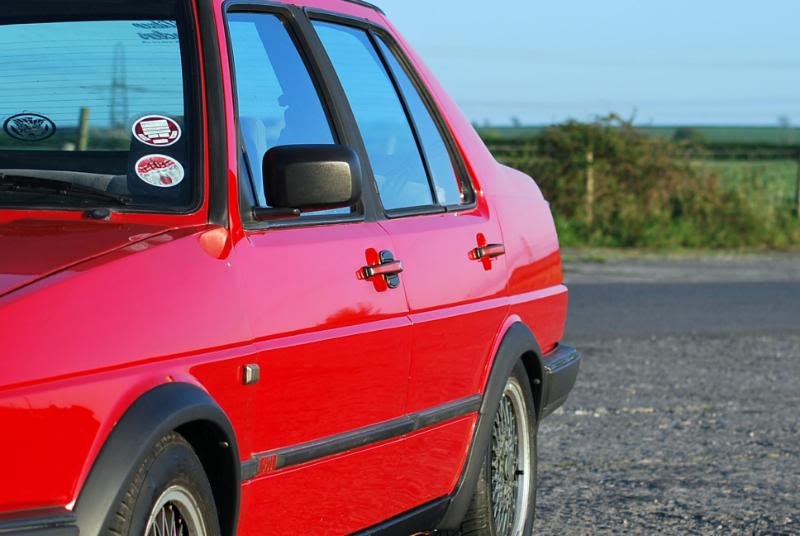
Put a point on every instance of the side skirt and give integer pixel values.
(419, 519)
(39, 523)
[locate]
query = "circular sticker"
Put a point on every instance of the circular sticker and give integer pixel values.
(29, 127)
(159, 170)
(156, 130)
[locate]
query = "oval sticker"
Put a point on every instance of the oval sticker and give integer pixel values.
(160, 170)
(156, 130)
(29, 127)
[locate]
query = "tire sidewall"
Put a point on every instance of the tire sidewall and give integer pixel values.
(177, 464)
(520, 374)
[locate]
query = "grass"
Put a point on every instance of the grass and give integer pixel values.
(601, 255)
(779, 177)
(717, 135)
(736, 135)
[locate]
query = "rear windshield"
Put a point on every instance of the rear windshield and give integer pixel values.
(96, 108)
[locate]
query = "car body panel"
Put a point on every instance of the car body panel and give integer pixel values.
(36, 248)
(307, 500)
(116, 326)
(456, 302)
(322, 331)
(535, 277)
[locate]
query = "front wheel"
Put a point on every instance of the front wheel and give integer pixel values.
(168, 496)
(505, 497)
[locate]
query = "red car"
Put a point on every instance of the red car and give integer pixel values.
(259, 275)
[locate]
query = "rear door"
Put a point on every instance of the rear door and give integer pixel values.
(333, 347)
(449, 242)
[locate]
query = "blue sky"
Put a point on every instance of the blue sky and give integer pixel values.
(710, 62)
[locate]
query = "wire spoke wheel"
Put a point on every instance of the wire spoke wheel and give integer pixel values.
(176, 513)
(511, 469)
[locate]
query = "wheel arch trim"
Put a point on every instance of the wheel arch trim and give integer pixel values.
(517, 341)
(160, 410)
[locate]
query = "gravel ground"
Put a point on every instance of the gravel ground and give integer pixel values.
(693, 430)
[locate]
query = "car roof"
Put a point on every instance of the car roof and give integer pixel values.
(367, 4)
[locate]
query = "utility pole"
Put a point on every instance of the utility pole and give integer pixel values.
(119, 88)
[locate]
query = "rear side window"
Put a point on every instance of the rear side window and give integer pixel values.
(103, 102)
(389, 139)
(278, 102)
(448, 187)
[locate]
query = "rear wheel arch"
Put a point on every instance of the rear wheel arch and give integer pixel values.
(517, 344)
(174, 407)
(528, 351)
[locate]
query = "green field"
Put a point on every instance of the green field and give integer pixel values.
(779, 177)
(713, 135)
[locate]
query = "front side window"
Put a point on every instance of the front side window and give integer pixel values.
(96, 112)
(277, 100)
(389, 139)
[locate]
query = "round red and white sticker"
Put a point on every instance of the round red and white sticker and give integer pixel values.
(159, 170)
(156, 130)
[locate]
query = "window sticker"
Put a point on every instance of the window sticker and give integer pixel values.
(29, 127)
(160, 170)
(156, 130)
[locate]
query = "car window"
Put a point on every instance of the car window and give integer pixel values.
(278, 102)
(103, 105)
(389, 139)
(445, 180)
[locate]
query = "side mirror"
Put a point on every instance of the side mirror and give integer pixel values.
(301, 178)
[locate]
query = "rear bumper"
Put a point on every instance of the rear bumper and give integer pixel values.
(560, 372)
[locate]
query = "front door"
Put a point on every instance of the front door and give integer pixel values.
(332, 345)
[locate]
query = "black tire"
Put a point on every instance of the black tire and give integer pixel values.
(480, 518)
(171, 465)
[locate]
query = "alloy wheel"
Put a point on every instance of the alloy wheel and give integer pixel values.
(511, 467)
(175, 513)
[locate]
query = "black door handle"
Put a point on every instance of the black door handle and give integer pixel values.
(389, 269)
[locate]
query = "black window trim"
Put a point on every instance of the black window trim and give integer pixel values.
(332, 98)
(462, 174)
(193, 54)
(423, 154)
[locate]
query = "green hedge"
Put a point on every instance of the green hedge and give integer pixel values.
(612, 185)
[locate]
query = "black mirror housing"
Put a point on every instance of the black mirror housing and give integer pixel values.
(312, 177)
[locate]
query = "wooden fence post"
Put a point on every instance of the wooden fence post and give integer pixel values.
(83, 130)
(589, 186)
(797, 189)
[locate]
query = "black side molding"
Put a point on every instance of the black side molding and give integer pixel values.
(157, 412)
(38, 523)
(341, 443)
(560, 372)
(336, 444)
